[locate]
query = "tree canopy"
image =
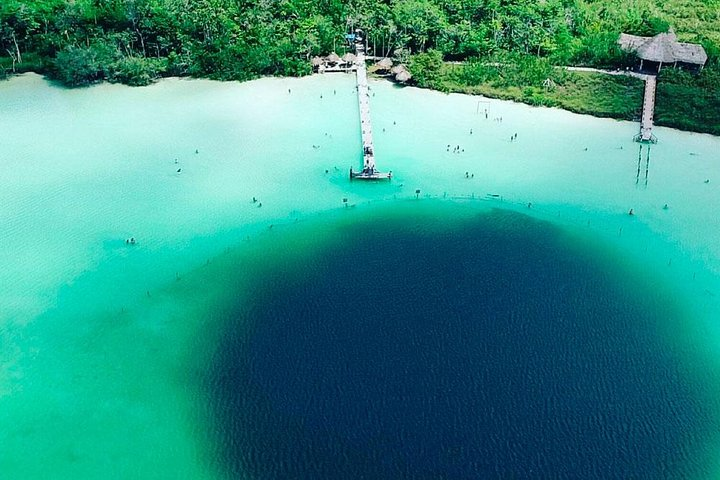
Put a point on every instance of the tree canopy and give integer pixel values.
(134, 41)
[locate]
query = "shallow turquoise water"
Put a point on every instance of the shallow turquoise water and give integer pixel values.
(102, 342)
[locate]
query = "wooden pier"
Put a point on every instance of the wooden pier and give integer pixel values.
(369, 170)
(648, 112)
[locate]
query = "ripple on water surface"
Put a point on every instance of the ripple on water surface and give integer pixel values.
(432, 345)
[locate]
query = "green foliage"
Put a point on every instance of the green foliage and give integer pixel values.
(426, 67)
(78, 66)
(136, 71)
(602, 50)
(31, 62)
(242, 39)
(422, 22)
(656, 25)
(687, 107)
(536, 82)
(687, 101)
(507, 70)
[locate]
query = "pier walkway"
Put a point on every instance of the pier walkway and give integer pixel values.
(369, 170)
(648, 112)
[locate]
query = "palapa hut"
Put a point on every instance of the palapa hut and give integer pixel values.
(349, 58)
(403, 76)
(401, 73)
(397, 69)
(664, 49)
(333, 58)
(384, 65)
(320, 64)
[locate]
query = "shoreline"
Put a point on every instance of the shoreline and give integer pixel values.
(475, 91)
(549, 107)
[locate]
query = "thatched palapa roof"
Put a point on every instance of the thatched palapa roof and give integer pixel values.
(316, 61)
(397, 69)
(385, 64)
(349, 58)
(333, 58)
(401, 73)
(663, 48)
(403, 76)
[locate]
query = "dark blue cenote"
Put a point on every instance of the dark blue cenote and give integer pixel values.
(437, 347)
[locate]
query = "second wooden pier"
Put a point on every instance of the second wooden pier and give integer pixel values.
(648, 112)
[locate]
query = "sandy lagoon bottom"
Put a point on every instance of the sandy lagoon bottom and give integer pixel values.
(456, 335)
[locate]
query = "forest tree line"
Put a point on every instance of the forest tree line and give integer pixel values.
(135, 41)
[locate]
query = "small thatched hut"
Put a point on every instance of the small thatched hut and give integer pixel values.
(349, 58)
(397, 69)
(384, 64)
(333, 58)
(401, 73)
(403, 76)
(663, 48)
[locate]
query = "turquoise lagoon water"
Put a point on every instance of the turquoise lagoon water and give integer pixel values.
(126, 360)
